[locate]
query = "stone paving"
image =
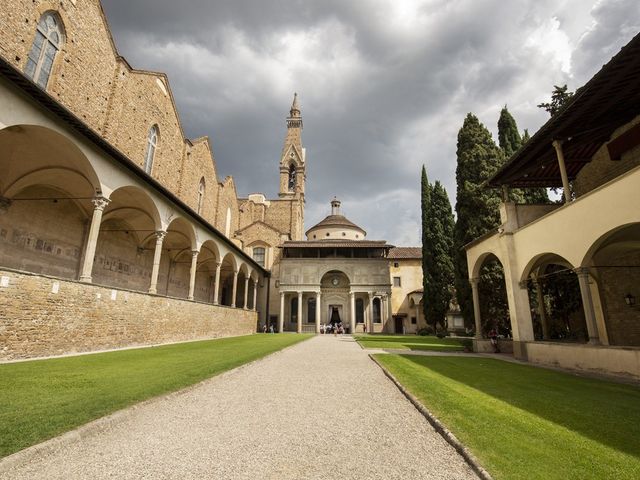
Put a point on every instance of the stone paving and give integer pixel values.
(319, 410)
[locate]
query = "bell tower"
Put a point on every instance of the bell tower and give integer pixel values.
(292, 161)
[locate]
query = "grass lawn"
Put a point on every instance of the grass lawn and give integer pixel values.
(409, 342)
(523, 422)
(44, 398)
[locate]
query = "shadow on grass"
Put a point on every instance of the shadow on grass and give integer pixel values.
(606, 412)
(410, 342)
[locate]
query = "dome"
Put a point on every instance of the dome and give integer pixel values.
(336, 227)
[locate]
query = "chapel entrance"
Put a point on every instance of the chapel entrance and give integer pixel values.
(334, 314)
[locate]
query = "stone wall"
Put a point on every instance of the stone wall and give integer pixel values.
(45, 316)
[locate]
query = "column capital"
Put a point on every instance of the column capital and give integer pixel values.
(474, 281)
(582, 271)
(557, 143)
(100, 202)
(282, 294)
(195, 253)
(160, 234)
(218, 264)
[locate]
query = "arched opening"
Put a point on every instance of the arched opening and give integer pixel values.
(152, 145)
(227, 272)
(555, 300)
(311, 310)
(242, 291)
(47, 42)
(377, 310)
(46, 191)
(293, 312)
(335, 309)
(126, 243)
(175, 262)
(208, 258)
(291, 184)
(492, 293)
(202, 187)
(614, 265)
(359, 310)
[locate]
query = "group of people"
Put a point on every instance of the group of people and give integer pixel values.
(336, 328)
(269, 329)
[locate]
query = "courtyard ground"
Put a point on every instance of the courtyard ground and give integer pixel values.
(410, 342)
(318, 410)
(43, 398)
(526, 422)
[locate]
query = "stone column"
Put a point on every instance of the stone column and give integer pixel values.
(235, 290)
(587, 304)
(318, 298)
(192, 273)
(157, 254)
(352, 301)
(476, 305)
(99, 204)
(557, 144)
(281, 317)
(216, 287)
(246, 293)
(541, 310)
(255, 296)
(299, 312)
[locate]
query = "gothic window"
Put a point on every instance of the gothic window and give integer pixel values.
(201, 189)
(359, 310)
(292, 178)
(258, 255)
(46, 45)
(311, 310)
(152, 144)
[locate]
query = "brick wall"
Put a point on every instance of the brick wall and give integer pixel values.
(36, 322)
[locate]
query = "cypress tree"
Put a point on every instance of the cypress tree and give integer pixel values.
(425, 203)
(510, 142)
(437, 261)
(476, 206)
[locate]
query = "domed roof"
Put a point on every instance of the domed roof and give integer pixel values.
(337, 220)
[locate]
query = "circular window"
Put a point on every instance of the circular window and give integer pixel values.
(344, 234)
(327, 234)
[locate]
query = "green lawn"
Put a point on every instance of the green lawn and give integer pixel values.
(41, 399)
(409, 342)
(523, 422)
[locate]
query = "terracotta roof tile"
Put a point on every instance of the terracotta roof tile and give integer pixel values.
(400, 253)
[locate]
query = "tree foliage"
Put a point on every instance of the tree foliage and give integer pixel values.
(559, 97)
(425, 204)
(437, 258)
(476, 206)
(510, 142)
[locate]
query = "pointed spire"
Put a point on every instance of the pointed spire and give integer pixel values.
(295, 108)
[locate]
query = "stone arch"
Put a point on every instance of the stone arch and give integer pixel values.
(613, 264)
(324, 272)
(208, 258)
(229, 267)
(46, 191)
(480, 260)
(543, 259)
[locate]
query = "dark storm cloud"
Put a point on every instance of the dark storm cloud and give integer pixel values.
(384, 85)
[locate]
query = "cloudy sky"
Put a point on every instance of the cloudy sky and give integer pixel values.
(384, 85)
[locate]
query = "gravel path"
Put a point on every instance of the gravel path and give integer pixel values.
(319, 410)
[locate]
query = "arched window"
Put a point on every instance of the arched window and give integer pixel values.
(311, 310)
(201, 189)
(258, 255)
(46, 45)
(152, 144)
(376, 310)
(227, 223)
(359, 310)
(294, 310)
(292, 178)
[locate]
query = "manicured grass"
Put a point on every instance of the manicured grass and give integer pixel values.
(409, 342)
(527, 422)
(41, 399)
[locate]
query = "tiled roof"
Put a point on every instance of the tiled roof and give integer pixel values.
(400, 253)
(336, 221)
(337, 244)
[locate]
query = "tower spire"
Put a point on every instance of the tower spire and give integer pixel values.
(292, 160)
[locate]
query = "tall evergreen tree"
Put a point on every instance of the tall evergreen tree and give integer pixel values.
(476, 206)
(510, 143)
(437, 249)
(559, 97)
(425, 204)
(525, 136)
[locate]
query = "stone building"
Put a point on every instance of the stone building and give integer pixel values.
(335, 276)
(405, 265)
(591, 148)
(115, 229)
